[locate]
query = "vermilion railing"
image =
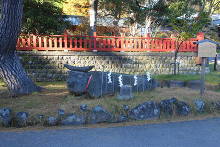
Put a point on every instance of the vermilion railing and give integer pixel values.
(102, 43)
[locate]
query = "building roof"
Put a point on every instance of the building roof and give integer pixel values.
(206, 40)
(74, 20)
(101, 21)
(215, 17)
(216, 22)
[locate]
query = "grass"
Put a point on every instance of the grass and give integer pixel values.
(212, 78)
(179, 77)
(57, 97)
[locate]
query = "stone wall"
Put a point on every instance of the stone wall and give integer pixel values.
(48, 65)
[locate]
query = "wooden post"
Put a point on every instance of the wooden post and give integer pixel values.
(200, 36)
(55, 42)
(122, 42)
(65, 41)
(34, 41)
(94, 41)
(202, 78)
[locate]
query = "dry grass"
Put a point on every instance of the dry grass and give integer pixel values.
(57, 97)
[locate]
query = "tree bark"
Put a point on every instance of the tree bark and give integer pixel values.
(11, 70)
(215, 63)
(93, 16)
(178, 45)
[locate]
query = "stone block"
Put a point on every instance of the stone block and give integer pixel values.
(125, 93)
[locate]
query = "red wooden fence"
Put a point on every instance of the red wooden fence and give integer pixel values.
(103, 43)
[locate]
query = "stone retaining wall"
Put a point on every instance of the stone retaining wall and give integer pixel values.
(48, 65)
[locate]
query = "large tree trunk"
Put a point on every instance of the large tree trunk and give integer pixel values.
(11, 70)
(93, 16)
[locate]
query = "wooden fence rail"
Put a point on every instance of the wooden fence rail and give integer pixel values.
(102, 43)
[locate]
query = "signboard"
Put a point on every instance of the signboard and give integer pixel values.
(207, 49)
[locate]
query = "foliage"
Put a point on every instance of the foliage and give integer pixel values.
(76, 7)
(136, 11)
(212, 6)
(186, 18)
(166, 34)
(114, 8)
(43, 17)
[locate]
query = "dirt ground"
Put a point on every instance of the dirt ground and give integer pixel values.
(56, 96)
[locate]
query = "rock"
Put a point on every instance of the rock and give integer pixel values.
(40, 116)
(155, 84)
(194, 84)
(77, 81)
(99, 115)
(37, 119)
(167, 106)
(199, 105)
(5, 117)
(147, 110)
(73, 120)
(96, 84)
(164, 83)
(174, 83)
(51, 121)
(21, 119)
(60, 112)
(82, 69)
(83, 107)
(125, 93)
(216, 105)
(182, 108)
(125, 108)
(122, 118)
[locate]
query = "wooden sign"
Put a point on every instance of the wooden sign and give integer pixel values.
(207, 49)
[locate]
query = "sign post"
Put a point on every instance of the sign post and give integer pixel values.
(206, 48)
(202, 77)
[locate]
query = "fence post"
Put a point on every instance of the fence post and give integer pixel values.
(200, 36)
(65, 40)
(94, 41)
(34, 41)
(122, 43)
(29, 40)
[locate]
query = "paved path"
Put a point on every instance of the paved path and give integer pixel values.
(203, 133)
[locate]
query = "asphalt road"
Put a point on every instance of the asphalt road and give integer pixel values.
(202, 133)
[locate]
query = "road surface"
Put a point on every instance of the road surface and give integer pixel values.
(200, 133)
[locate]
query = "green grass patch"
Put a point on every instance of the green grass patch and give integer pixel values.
(212, 78)
(179, 77)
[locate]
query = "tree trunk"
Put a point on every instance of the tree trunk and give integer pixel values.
(178, 45)
(13, 74)
(215, 63)
(11, 70)
(175, 62)
(93, 16)
(148, 22)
